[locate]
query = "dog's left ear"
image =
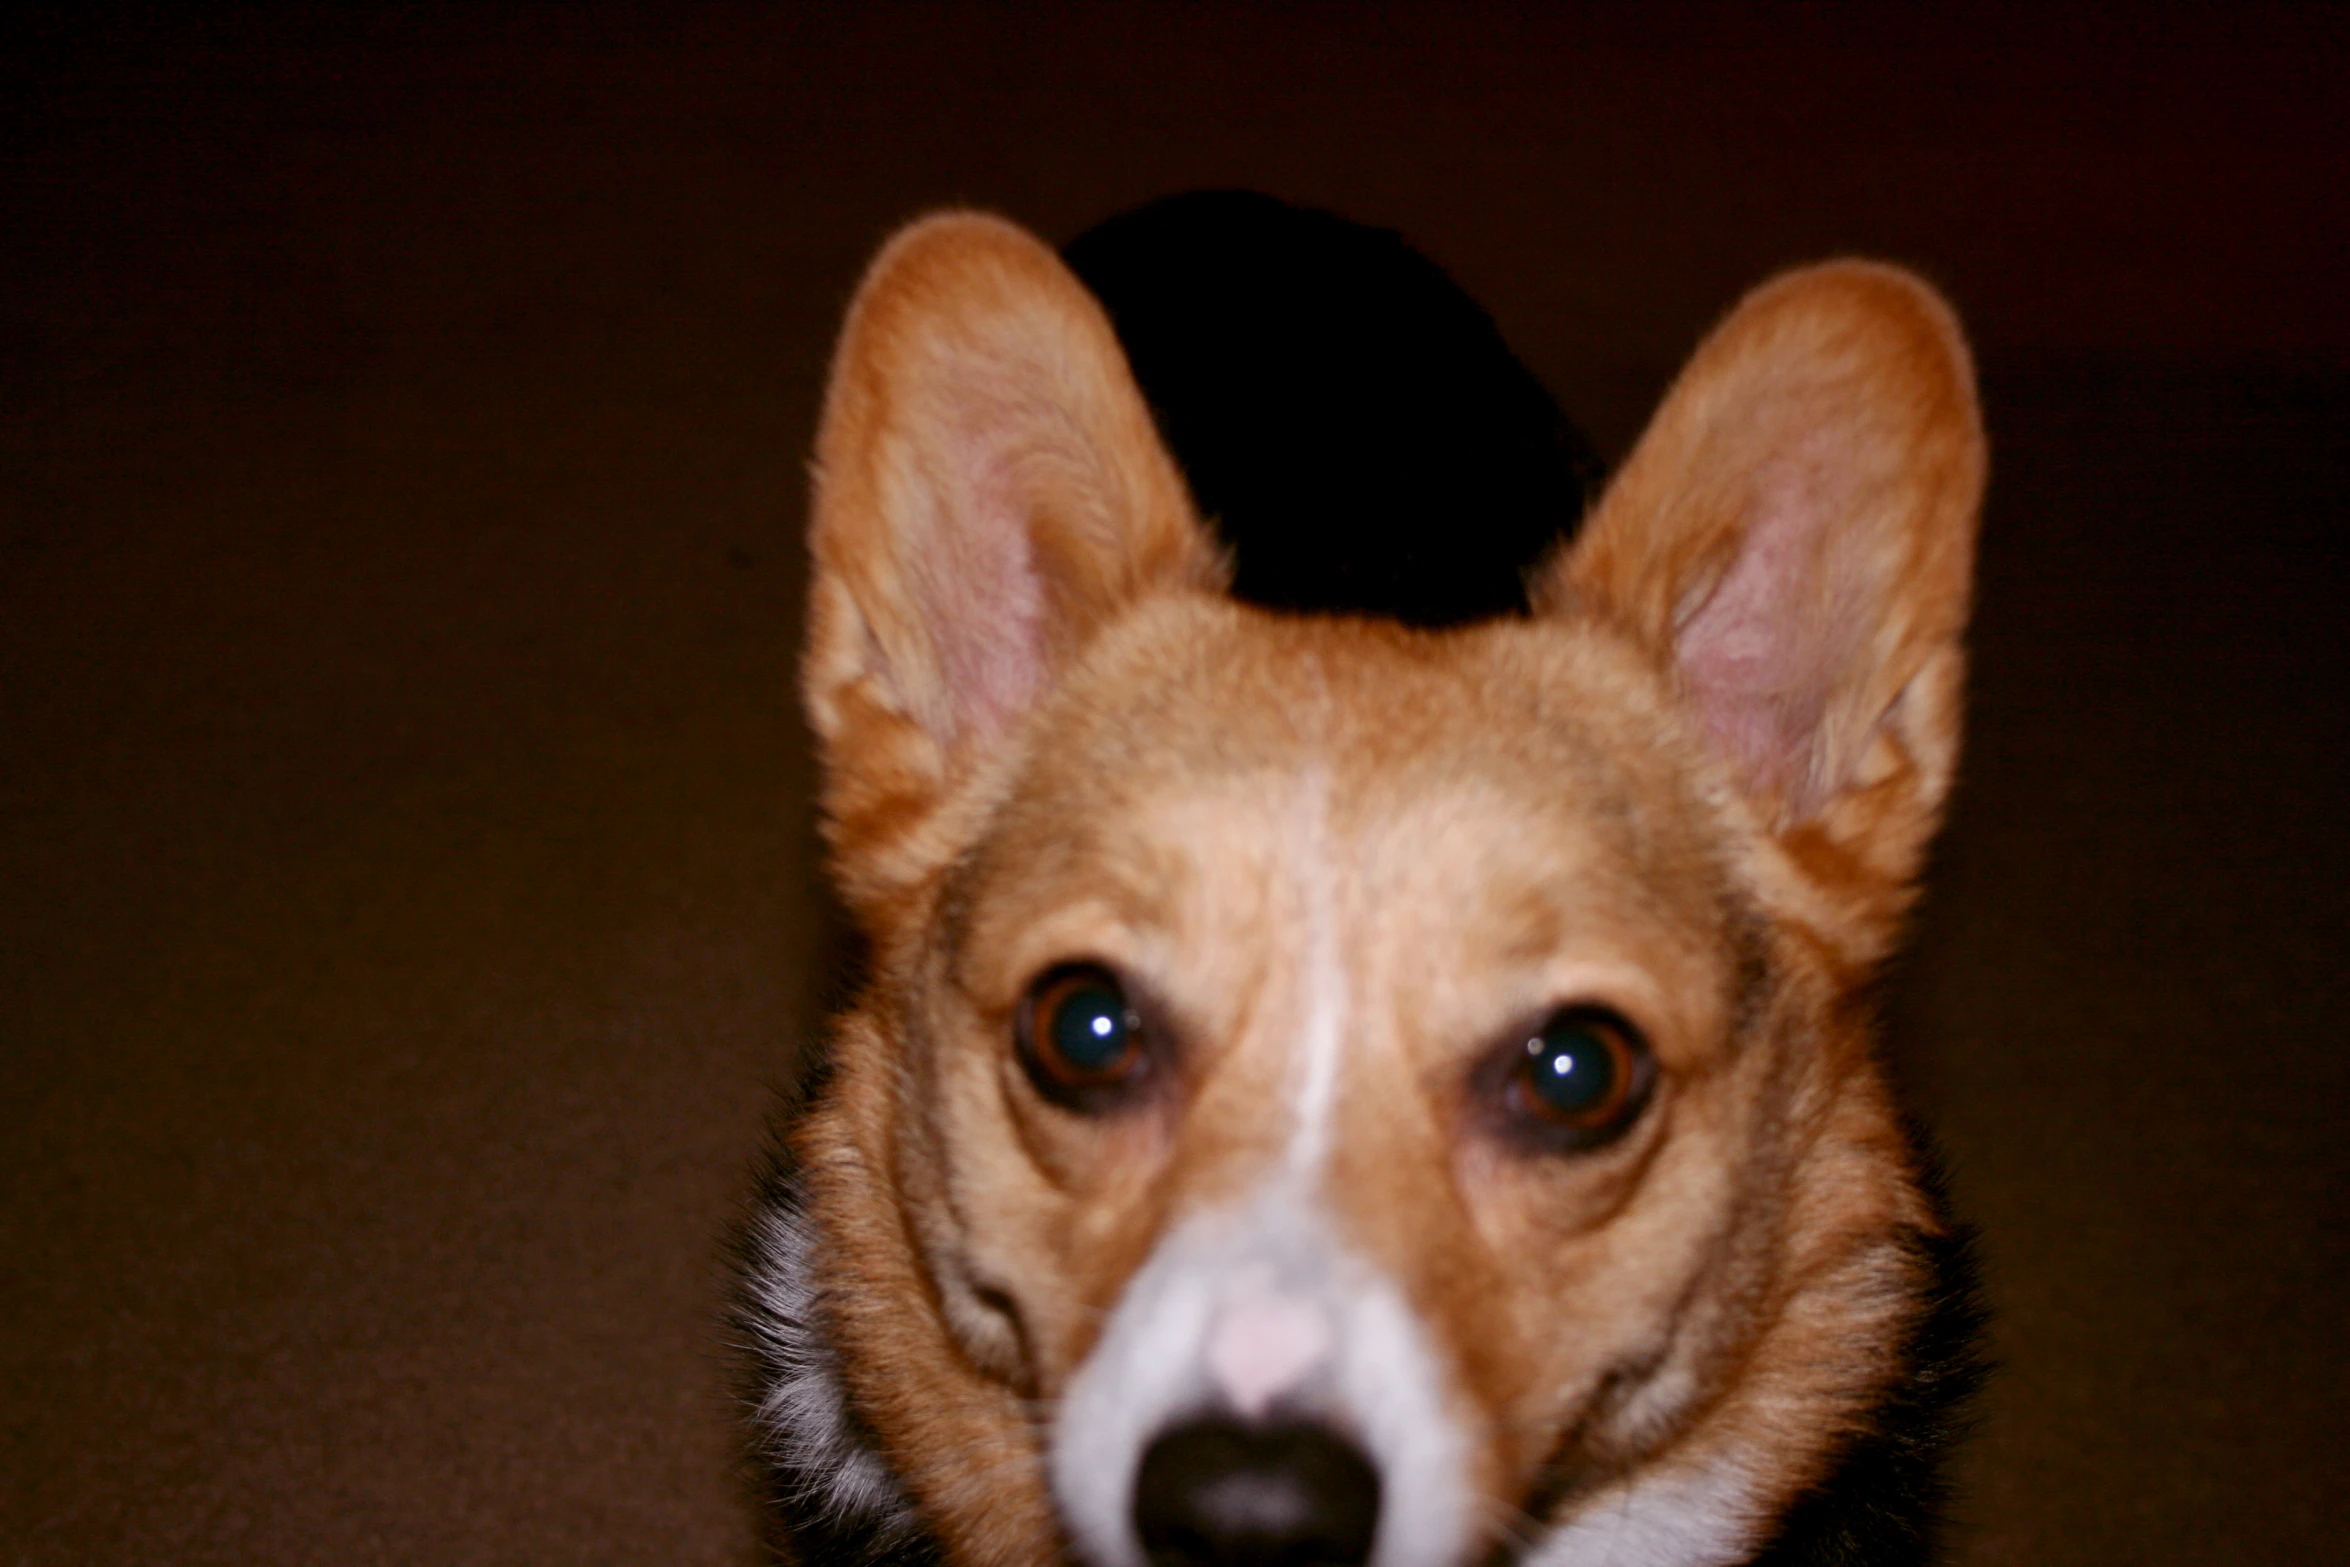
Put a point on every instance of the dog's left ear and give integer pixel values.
(1794, 536)
(990, 491)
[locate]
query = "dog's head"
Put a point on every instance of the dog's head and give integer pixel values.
(1356, 1093)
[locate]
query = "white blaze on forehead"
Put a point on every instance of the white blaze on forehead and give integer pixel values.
(1322, 980)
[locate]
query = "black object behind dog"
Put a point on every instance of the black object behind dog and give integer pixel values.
(1350, 420)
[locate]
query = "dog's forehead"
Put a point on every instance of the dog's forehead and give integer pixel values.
(1504, 780)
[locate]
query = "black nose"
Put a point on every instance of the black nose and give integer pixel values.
(1215, 1493)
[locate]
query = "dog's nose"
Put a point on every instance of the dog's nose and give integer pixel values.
(1216, 1493)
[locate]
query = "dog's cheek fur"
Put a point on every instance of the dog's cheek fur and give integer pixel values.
(956, 1439)
(1734, 1319)
(949, 1236)
(1030, 1218)
(961, 1284)
(1796, 1326)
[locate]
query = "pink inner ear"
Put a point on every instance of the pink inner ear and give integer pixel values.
(977, 589)
(1763, 652)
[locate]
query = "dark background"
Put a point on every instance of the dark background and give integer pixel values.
(406, 897)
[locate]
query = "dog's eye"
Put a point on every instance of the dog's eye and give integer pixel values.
(1079, 1036)
(1581, 1078)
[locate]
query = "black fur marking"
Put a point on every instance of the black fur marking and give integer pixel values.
(1349, 419)
(818, 1540)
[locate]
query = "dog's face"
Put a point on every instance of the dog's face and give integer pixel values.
(1411, 1082)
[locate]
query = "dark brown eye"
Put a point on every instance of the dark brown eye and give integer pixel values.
(1579, 1079)
(1079, 1036)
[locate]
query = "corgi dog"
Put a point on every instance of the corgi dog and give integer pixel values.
(1337, 1085)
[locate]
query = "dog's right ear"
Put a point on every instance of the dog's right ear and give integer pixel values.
(1793, 538)
(989, 491)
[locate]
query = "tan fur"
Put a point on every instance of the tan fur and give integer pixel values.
(1506, 817)
(969, 341)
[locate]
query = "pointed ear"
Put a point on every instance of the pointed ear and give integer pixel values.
(1794, 535)
(989, 491)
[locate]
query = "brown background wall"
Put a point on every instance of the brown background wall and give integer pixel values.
(405, 883)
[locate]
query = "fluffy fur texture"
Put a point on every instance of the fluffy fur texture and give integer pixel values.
(1339, 861)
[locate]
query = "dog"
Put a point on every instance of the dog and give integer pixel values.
(1365, 1052)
